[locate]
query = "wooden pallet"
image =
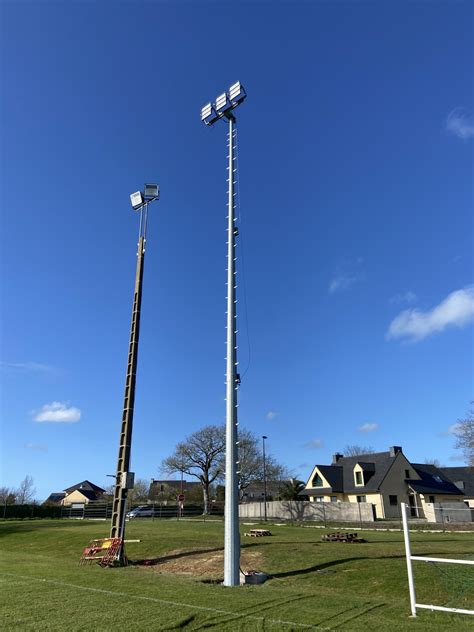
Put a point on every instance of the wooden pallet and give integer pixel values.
(257, 533)
(342, 537)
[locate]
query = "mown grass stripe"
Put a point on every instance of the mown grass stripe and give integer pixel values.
(169, 602)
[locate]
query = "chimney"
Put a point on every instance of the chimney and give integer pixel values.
(336, 457)
(395, 449)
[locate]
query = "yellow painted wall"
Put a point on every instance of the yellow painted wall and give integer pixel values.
(374, 499)
(75, 497)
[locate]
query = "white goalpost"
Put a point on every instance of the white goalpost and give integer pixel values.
(417, 558)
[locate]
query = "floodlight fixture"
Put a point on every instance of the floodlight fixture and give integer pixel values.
(221, 102)
(225, 102)
(152, 192)
(236, 93)
(137, 200)
(207, 111)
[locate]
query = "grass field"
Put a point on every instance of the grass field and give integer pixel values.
(313, 585)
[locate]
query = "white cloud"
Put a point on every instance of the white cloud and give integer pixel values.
(406, 297)
(460, 122)
(58, 412)
(271, 415)
(36, 447)
(28, 366)
(368, 427)
(341, 282)
(456, 310)
(346, 274)
(314, 444)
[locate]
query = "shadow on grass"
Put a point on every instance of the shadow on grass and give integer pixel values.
(325, 565)
(174, 556)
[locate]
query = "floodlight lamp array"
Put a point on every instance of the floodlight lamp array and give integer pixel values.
(138, 199)
(225, 102)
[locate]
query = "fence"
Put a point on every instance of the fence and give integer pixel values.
(95, 511)
(431, 560)
(295, 510)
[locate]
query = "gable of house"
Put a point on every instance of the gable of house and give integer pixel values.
(324, 479)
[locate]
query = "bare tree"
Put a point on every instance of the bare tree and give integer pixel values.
(200, 455)
(357, 450)
(251, 462)
(7, 496)
(434, 462)
(140, 491)
(464, 433)
(26, 491)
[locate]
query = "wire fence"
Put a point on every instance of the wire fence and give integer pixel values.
(435, 581)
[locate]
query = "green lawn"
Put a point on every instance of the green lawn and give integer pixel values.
(313, 585)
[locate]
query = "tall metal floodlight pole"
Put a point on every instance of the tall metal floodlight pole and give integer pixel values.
(124, 479)
(264, 479)
(210, 114)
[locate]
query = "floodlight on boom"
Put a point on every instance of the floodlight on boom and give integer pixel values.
(137, 200)
(152, 192)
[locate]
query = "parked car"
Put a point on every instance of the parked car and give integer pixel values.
(144, 511)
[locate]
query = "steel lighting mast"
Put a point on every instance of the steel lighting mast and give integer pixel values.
(124, 479)
(210, 114)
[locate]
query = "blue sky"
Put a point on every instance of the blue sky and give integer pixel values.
(355, 152)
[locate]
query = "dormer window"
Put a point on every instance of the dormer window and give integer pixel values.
(358, 478)
(317, 481)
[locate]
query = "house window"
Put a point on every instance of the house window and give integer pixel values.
(407, 473)
(317, 481)
(393, 500)
(361, 499)
(334, 499)
(358, 477)
(319, 499)
(432, 499)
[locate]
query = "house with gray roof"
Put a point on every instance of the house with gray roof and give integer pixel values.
(463, 478)
(384, 479)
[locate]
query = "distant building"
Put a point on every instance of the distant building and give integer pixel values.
(255, 491)
(81, 493)
(463, 478)
(55, 498)
(161, 490)
(384, 479)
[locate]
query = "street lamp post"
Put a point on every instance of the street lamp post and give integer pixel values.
(210, 114)
(124, 479)
(264, 479)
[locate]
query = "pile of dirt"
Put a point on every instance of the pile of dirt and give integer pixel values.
(199, 562)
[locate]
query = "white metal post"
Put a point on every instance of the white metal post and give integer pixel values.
(231, 535)
(406, 535)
